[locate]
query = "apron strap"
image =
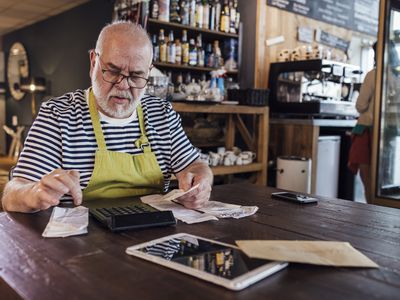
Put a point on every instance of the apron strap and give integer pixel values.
(98, 132)
(143, 141)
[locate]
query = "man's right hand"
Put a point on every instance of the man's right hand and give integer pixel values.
(26, 196)
(48, 191)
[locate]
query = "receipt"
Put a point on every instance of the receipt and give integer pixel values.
(181, 213)
(226, 210)
(211, 211)
(67, 221)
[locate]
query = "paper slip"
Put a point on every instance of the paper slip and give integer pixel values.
(211, 211)
(225, 210)
(326, 253)
(188, 216)
(67, 221)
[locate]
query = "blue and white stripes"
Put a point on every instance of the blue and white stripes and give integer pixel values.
(62, 136)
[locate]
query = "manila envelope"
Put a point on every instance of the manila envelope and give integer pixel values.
(326, 253)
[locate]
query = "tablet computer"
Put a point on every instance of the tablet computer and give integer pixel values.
(210, 260)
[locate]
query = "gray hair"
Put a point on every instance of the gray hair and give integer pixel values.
(128, 29)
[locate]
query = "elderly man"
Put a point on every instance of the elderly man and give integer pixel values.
(109, 141)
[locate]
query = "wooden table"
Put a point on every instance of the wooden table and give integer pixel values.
(95, 266)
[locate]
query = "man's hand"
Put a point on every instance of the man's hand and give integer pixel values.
(26, 196)
(48, 191)
(196, 173)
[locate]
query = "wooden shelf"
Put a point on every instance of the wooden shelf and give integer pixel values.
(219, 108)
(226, 170)
(172, 25)
(255, 140)
(190, 68)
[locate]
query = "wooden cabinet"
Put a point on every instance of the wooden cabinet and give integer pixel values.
(255, 140)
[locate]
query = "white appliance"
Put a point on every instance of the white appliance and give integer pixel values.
(294, 174)
(328, 166)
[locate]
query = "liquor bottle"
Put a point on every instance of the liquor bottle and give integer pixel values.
(174, 11)
(225, 19)
(200, 52)
(199, 14)
(178, 84)
(156, 49)
(185, 12)
(154, 9)
(212, 15)
(233, 11)
(171, 48)
(178, 52)
(163, 46)
(170, 84)
(206, 14)
(217, 55)
(208, 56)
(192, 53)
(188, 78)
(217, 15)
(163, 8)
(237, 21)
(185, 48)
(192, 13)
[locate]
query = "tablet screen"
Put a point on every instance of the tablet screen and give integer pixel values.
(214, 258)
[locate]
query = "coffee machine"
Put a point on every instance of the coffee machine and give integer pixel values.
(320, 88)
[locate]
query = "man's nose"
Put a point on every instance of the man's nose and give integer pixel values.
(123, 84)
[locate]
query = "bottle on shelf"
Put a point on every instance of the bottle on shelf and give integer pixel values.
(192, 13)
(188, 78)
(200, 52)
(225, 18)
(218, 61)
(192, 53)
(185, 48)
(233, 11)
(174, 12)
(162, 46)
(199, 14)
(163, 10)
(218, 10)
(212, 15)
(178, 52)
(156, 49)
(208, 56)
(206, 14)
(185, 12)
(154, 9)
(171, 53)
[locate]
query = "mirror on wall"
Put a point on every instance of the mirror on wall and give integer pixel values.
(17, 68)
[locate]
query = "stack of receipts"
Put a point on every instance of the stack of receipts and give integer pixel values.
(67, 221)
(211, 211)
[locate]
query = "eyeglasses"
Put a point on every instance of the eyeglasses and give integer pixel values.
(116, 77)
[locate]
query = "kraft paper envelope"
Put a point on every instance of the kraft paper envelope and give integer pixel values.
(327, 253)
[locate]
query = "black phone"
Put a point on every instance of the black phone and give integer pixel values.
(298, 198)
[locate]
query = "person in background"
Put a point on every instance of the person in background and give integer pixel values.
(360, 151)
(110, 140)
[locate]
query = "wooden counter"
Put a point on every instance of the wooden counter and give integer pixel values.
(95, 265)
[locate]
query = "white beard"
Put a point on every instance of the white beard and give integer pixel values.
(120, 111)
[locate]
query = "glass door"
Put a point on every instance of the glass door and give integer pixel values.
(386, 139)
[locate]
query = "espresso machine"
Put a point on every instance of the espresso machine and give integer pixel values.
(317, 88)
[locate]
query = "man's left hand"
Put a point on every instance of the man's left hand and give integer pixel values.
(196, 173)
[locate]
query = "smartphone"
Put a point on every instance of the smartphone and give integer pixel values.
(298, 198)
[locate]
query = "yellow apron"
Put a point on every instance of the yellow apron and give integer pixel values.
(118, 174)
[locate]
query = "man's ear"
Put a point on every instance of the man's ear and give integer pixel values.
(92, 56)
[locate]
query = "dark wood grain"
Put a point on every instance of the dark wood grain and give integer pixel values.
(95, 266)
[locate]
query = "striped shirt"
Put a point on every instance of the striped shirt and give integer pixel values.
(62, 136)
